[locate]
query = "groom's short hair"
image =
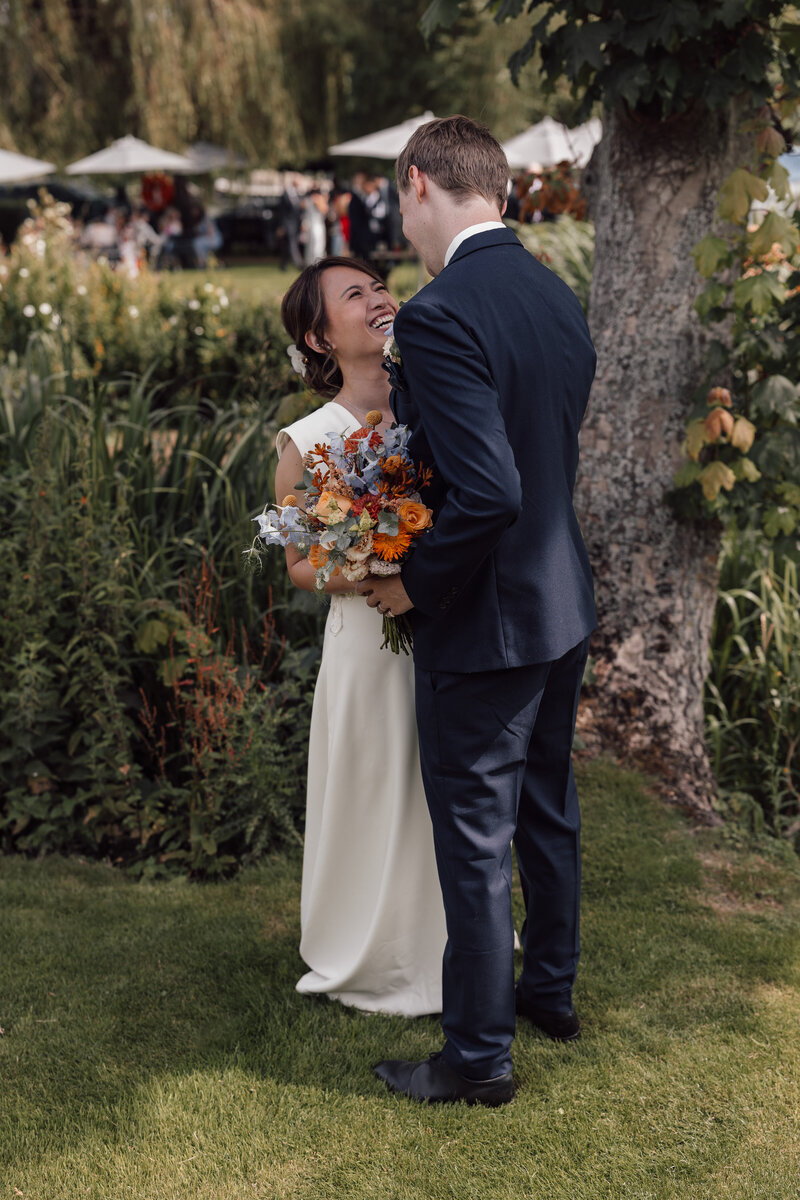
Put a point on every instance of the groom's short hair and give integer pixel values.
(461, 156)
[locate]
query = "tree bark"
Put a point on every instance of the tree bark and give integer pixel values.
(653, 191)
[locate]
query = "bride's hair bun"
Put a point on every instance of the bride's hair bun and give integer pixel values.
(303, 311)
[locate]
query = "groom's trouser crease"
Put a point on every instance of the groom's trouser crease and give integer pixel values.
(497, 767)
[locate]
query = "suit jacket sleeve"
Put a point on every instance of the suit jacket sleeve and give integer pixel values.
(459, 413)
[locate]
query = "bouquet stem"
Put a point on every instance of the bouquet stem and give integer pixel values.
(397, 635)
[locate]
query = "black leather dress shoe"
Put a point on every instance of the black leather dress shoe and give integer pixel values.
(432, 1081)
(561, 1027)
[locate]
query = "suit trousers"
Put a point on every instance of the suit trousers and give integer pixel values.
(496, 757)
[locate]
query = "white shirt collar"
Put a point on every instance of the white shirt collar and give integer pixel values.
(484, 227)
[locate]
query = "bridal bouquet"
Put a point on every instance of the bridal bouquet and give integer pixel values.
(362, 514)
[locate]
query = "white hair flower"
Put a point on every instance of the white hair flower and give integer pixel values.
(298, 360)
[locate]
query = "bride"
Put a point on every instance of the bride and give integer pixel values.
(372, 920)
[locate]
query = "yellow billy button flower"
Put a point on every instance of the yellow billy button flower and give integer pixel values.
(374, 418)
(289, 501)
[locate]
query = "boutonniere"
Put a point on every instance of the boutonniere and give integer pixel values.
(393, 362)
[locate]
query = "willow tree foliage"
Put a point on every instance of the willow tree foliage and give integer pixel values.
(687, 90)
(76, 75)
(277, 82)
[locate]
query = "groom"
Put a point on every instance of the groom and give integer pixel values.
(496, 369)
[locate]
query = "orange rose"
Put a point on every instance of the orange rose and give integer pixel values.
(331, 508)
(414, 516)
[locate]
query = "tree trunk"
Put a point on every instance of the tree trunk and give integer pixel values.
(653, 191)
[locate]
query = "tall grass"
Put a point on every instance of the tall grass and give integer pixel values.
(753, 690)
(125, 520)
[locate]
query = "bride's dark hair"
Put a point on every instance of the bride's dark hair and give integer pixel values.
(303, 311)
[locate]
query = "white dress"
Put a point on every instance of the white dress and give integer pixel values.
(372, 921)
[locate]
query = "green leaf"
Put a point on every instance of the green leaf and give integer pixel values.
(696, 437)
(779, 520)
(745, 469)
(737, 194)
(778, 180)
(709, 299)
(710, 254)
(687, 474)
(774, 228)
(388, 522)
(743, 434)
(777, 395)
(439, 14)
(790, 493)
(153, 633)
(759, 292)
(670, 72)
(714, 477)
(209, 845)
(718, 356)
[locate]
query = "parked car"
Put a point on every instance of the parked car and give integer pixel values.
(251, 227)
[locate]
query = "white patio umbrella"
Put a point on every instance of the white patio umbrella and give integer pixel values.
(16, 168)
(386, 143)
(549, 142)
(128, 156)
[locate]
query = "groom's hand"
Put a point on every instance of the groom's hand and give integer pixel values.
(387, 595)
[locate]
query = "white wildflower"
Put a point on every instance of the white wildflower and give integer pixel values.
(198, 329)
(55, 321)
(208, 287)
(215, 308)
(29, 310)
(224, 301)
(81, 289)
(194, 305)
(133, 311)
(45, 309)
(24, 272)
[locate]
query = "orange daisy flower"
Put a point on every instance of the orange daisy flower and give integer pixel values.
(391, 548)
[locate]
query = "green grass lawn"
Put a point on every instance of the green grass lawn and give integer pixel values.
(266, 282)
(154, 1046)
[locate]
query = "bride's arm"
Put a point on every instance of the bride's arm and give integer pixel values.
(301, 573)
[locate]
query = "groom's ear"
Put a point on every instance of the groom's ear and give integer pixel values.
(419, 182)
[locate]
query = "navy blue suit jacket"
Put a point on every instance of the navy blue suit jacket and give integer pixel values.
(497, 364)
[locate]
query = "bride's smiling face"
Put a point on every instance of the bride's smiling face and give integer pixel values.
(358, 312)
